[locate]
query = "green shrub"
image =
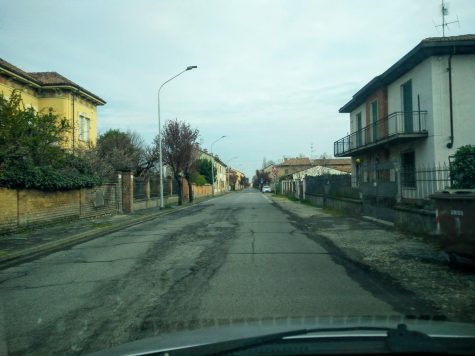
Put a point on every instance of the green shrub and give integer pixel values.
(199, 180)
(462, 168)
(31, 153)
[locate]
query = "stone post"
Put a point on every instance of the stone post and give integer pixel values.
(118, 192)
(127, 192)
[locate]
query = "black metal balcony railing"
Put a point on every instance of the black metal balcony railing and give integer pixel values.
(397, 124)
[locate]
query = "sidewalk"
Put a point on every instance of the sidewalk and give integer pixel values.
(413, 263)
(31, 243)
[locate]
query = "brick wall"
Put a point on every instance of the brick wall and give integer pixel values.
(8, 208)
(22, 207)
(202, 191)
(198, 191)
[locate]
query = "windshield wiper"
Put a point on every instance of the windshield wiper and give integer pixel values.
(398, 340)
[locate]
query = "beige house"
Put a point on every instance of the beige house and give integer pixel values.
(239, 178)
(221, 182)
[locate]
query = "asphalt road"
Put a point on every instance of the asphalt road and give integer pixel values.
(235, 257)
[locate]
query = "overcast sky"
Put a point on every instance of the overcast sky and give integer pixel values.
(271, 74)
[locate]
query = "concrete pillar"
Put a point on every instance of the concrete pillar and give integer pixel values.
(146, 187)
(118, 192)
(127, 192)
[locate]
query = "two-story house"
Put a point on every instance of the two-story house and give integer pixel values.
(238, 179)
(411, 118)
(220, 168)
(45, 91)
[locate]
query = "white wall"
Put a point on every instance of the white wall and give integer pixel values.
(421, 78)
(463, 94)
(430, 80)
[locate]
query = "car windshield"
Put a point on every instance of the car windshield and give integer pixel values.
(253, 166)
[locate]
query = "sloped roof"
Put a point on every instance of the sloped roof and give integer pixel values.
(10, 67)
(304, 161)
(331, 161)
(432, 46)
(47, 79)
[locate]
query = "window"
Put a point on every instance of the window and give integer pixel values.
(359, 126)
(408, 172)
(84, 126)
(374, 119)
(286, 171)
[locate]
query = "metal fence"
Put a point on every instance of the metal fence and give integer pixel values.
(420, 183)
(139, 188)
(378, 181)
(141, 184)
(397, 123)
(332, 185)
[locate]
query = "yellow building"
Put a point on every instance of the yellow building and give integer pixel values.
(46, 91)
(239, 184)
(221, 182)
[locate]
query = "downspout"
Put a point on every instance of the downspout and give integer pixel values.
(449, 69)
(73, 117)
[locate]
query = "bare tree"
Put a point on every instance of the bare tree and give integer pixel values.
(178, 142)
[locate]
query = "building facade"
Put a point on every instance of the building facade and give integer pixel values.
(406, 122)
(239, 177)
(50, 91)
(221, 182)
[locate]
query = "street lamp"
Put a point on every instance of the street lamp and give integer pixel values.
(160, 132)
(229, 161)
(212, 164)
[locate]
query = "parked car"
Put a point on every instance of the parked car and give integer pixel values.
(266, 189)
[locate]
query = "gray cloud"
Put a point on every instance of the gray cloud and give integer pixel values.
(272, 74)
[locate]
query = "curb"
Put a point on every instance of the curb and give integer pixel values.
(53, 246)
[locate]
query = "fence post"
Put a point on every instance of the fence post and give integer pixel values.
(127, 192)
(118, 191)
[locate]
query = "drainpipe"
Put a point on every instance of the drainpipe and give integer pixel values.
(449, 69)
(72, 93)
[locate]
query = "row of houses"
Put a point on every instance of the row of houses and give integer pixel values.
(50, 91)
(297, 169)
(227, 178)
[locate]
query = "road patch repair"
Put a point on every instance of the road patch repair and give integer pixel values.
(414, 263)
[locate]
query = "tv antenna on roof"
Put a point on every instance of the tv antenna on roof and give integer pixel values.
(444, 11)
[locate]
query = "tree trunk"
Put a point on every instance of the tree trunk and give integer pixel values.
(180, 189)
(190, 188)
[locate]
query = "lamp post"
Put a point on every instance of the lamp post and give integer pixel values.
(212, 165)
(229, 161)
(160, 132)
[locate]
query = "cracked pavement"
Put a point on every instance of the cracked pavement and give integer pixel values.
(236, 257)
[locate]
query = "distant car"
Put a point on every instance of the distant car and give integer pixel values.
(266, 189)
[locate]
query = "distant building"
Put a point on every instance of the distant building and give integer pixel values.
(293, 165)
(221, 182)
(238, 185)
(44, 91)
(316, 171)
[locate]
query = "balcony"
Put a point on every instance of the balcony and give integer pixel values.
(396, 127)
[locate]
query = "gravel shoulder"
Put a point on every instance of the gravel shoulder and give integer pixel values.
(414, 263)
